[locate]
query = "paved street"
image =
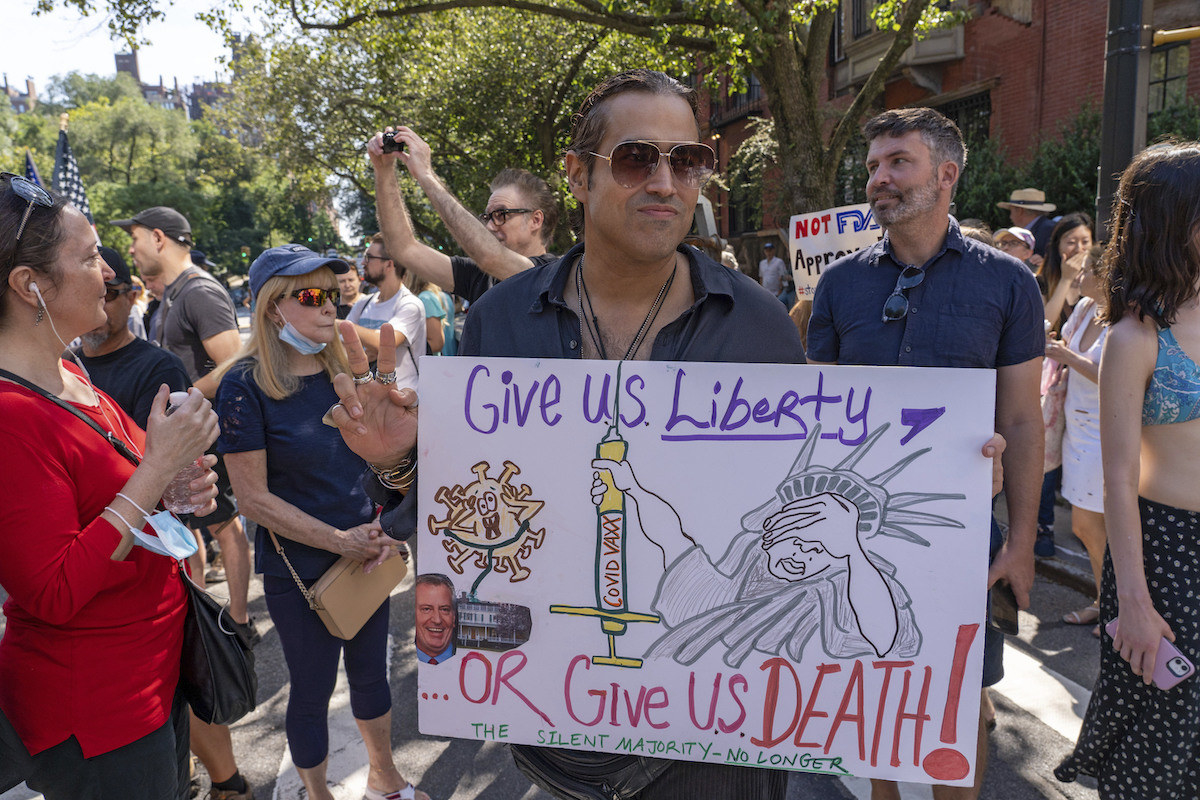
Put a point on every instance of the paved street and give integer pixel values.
(1050, 669)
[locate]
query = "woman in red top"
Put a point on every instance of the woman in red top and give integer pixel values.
(90, 657)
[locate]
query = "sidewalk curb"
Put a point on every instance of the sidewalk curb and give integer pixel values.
(1063, 573)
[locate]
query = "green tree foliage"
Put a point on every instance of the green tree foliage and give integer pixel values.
(133, 155)
(8, 130)
(989, 178)
(485, 88)
(75, 89)
(1176, 122)
(784, 45)
(744, 179)
(1065, 166)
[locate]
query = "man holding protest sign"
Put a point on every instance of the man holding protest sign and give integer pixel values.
(925, 296)
(630, 290)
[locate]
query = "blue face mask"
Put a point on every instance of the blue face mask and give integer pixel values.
(174, 540)
(301, 343)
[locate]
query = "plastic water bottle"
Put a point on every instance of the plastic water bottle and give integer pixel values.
(178, 495)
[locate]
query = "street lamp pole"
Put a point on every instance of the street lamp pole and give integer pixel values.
(1126, 88)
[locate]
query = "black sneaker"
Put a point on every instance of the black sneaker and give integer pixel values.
(1043, 547)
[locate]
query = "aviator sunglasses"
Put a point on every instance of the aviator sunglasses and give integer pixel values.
(315, 298)
(632, 163)
(896, 306)
(32, 194)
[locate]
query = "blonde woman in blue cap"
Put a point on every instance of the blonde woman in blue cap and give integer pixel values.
(297, 479)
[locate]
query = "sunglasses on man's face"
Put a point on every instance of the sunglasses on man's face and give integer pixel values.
(113, 292)
(315, 298)
(501, 215)
(32, 194)
(632, 163)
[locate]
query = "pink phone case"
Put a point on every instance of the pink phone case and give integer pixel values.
(1171, 667)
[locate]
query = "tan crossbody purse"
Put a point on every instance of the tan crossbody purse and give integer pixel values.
(345, 597)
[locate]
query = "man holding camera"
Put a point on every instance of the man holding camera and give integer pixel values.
(510, 237)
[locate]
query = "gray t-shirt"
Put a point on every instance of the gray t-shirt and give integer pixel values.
(195, 307)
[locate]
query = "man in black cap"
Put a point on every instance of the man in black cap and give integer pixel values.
(195, 321)
(126, 368)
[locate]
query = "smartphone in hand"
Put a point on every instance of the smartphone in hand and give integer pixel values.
(1004, 608)
(1171, 667)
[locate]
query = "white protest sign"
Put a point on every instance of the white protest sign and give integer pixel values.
(772, 565)
(818, 239)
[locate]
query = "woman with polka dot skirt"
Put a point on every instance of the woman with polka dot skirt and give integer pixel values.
(1138, 740)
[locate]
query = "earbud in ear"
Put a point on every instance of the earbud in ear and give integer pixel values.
(34, 287)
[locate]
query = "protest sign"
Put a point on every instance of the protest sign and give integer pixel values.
(818, 239)
(772, 565)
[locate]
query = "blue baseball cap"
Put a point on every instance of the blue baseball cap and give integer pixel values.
(290, 259)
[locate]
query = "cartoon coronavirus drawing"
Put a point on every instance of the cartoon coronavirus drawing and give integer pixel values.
(489, 520)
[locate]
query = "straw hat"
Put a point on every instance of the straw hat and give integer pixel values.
(1031, 199)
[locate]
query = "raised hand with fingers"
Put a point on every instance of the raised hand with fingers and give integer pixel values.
(377, 420)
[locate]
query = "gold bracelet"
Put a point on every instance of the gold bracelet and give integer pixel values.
(400, 477)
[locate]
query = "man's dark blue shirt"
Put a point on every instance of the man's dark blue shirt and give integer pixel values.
(733, 319)
(976, 307)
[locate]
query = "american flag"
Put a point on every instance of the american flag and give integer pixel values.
(66, 176)
(31, 170)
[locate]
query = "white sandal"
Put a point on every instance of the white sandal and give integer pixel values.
(409, 792)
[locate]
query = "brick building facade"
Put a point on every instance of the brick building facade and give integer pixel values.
(1015, 72)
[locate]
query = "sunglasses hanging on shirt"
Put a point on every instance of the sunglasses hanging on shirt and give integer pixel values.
(896, 306)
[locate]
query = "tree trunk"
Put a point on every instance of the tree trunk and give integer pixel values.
(791, 70)
(807, 169)
(792, 73)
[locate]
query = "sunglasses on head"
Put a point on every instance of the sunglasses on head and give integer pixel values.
(632, 163)
(896, 306)
(32, 194)
(501, 215)
(315, 298)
